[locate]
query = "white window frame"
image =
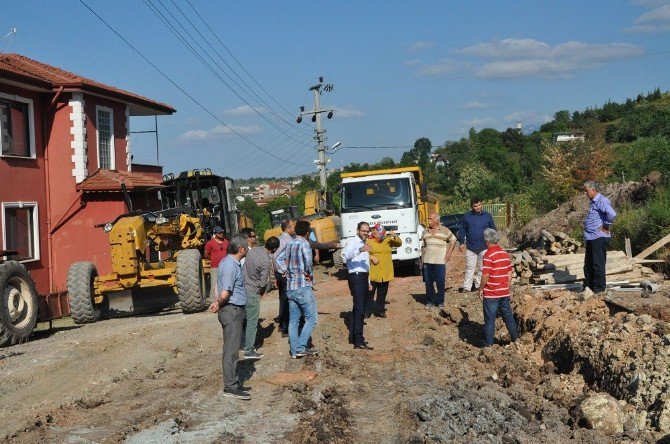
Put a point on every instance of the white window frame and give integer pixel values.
(35, 222)
(112, 163)
(31, 124)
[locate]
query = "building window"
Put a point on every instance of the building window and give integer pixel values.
(16, 126)
(21, 230)
(105, 126)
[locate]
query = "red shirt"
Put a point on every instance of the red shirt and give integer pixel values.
(217, 251)
(497, 265)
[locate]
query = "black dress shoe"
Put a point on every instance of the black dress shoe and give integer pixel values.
(381, 314)
(351, 340)
(363, 347)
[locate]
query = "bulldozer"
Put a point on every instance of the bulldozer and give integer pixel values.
(161, 248)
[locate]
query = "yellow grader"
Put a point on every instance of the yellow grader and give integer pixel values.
(162, 248)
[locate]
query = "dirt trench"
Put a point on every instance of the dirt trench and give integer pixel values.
(623, 354)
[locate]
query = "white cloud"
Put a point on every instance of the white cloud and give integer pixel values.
(528, 57)
(217, 133)
(244, 110)
(527, 118)
(442, 67)
(420, 45)
(656, 20)
(413, 62)
(348, 113)
(507, 49)
(475, 105)
(479, 123)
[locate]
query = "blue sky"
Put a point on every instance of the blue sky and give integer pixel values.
(401, 70)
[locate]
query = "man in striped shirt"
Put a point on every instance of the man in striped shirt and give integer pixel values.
(494, 291)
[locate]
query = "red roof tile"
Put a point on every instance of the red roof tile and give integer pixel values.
(21, 68)
(110, 180)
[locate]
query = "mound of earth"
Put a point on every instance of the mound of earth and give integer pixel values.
(570, 215)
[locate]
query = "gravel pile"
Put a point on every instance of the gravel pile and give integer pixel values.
(481, 414)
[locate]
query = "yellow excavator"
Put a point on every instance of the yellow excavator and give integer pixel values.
(319, 211)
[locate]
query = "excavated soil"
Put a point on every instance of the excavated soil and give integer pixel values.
(570, 215)
(157, 378)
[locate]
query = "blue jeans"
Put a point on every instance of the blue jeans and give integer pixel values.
(434, 276)
(491, 308)
(301, 302)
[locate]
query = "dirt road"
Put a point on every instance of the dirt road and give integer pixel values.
(157, 378)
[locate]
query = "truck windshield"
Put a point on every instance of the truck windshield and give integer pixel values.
(383, 194)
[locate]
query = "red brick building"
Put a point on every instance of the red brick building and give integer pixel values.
(65, 149)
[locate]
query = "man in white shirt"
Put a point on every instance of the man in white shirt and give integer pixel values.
(357, 259)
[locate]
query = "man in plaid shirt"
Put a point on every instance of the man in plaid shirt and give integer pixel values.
(296, 263)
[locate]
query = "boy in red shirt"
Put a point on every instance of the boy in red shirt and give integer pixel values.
(494, 291)
(215, 250)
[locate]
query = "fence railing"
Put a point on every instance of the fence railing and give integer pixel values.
(503, 213)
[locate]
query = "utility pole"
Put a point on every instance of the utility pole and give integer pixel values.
(320, 137)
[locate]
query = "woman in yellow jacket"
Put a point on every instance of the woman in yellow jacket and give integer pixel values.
(381, 269)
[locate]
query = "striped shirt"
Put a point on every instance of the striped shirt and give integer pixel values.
(435, 245)
(497, 265)
(296, 261)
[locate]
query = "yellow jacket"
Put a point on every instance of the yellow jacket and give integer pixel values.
(383, 271)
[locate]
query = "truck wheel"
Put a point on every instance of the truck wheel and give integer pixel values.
(18, 314)
(191, 281)
(80, 278)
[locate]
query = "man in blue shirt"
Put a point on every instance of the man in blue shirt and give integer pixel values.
(597, 235)
(230, 302)
(471, 236)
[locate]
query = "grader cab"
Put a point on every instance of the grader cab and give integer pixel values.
(161, 248)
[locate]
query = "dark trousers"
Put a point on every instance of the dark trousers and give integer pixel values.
(231, 318)
(379, 305)
(358, 286)
(434, 276)
(491, 308)
(283, 303)
(594, 264)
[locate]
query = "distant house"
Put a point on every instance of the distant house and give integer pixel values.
(267, 191)
(66, 150)
(439, 160)
(572, 136)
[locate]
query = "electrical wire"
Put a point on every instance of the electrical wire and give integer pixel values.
(190, 47)
(183, 91)
(248, 88)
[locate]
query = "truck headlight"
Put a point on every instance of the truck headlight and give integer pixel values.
(408, 250)
(108, 227)
(408, 240)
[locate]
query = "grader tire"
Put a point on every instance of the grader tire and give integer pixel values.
(80, 279)
(191, 281)
(18, 314)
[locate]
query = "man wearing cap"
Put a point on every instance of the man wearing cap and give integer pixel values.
(215, 250)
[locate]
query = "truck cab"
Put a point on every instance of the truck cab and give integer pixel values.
(395, 198)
